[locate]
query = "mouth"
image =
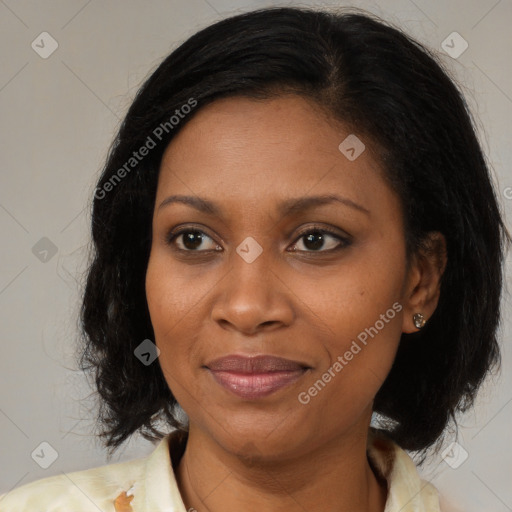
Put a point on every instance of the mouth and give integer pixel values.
(257, 376)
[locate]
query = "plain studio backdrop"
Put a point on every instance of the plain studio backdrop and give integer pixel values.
(61, 102)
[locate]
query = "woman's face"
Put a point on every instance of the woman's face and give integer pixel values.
(231, 283)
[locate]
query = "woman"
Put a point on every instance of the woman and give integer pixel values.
(295, 232)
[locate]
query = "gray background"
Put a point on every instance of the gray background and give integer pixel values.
(59, 115)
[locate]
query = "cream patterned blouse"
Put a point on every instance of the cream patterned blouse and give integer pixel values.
(149, 485)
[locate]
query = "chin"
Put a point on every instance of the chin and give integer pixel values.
(270, 438)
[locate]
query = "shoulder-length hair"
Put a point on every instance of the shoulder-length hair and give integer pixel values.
(386, 87)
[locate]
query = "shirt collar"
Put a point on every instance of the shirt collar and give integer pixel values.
(407, 492)
(161, 491)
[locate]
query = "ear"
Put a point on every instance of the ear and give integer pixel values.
(423, 284)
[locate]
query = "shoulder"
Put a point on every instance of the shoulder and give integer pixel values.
(80, 491)
(138, 485)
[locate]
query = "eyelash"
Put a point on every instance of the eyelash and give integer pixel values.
(344, 242)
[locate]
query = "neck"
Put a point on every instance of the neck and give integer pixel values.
(334, 477)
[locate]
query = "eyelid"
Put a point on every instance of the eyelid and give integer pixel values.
(324, 229)
(344, 239)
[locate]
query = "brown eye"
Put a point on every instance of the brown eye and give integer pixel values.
(321, 240)
(190, 240)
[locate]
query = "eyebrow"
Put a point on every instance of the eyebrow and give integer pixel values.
(285, 208)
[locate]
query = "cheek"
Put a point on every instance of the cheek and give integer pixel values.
(358, 317)
(174, 303)
(341, 392)
(165, 304)
(362, 298)
(173, 295)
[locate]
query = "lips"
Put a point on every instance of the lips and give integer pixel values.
(257, 376)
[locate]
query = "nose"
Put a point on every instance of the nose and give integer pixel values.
(252, 297)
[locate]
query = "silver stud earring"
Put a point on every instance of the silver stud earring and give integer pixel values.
(419, 320)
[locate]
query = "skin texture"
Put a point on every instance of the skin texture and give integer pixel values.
(275, 453)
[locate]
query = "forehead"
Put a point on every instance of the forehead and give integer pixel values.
(245, 150)
(288, 123)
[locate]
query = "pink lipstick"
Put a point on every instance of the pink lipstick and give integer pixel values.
(257, 376)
